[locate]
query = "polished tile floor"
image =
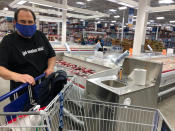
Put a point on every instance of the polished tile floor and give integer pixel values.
(167, 106)
(4, 88)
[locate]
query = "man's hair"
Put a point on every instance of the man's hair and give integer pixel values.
(25, 9)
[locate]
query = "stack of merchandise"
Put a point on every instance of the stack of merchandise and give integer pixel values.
(127, 44)
(116, 42)
(155, 45)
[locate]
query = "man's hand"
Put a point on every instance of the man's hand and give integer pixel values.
(24, 78)
(51, 64)
(48, 71)
(10, 75)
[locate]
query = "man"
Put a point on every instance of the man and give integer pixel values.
(98, 46)
(25, 53)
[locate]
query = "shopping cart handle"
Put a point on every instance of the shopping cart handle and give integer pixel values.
(39, 77)
(19, 88)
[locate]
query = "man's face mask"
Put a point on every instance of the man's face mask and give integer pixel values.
(26, 30)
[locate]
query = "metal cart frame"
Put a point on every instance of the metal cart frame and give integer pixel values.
(74, 112)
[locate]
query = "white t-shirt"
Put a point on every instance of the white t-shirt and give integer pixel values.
(97, 46)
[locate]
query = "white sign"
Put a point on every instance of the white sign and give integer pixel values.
(170, 51)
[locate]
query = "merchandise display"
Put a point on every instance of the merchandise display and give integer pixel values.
(127, 44)
(77, 70)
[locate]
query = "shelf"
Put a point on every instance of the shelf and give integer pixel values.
(95, 32)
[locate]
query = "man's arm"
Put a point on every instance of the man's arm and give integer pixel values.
(51, 64)
(51, 55)
(10, 75)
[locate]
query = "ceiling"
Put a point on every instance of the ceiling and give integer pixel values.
(104, 6)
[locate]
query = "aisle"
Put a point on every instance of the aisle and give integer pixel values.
(4, 88)
(167, 107)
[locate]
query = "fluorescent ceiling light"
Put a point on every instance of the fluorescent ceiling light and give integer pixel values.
(89, 0)
(21, 2)
(122, 8)
(49, 20)
(113, 21)
(151, 21)
(172, 21)
(40, 4)
(112, 1)
(117, 16)
(80, 3)
(166, 1)
(112, 10)
(160, 18)
(112, 24)
(125, 4)
(98, 22)
(5, 8)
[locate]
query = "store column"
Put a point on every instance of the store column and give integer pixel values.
(141, 25)
(123, 22)
(84, 24)
(64, 26)
(95, 26)
(37, 17)
(58, 29)
(58, 24)
(37, 21)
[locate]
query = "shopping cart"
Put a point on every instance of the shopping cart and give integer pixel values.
(93, 115)
(81, 114)
(15, 116)
(71, 111)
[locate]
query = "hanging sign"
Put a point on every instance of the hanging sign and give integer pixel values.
(130, 17)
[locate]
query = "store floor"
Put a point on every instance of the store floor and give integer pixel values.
(4, 88)
(167, 106)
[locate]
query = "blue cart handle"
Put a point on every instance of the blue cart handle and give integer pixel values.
(19, 88)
